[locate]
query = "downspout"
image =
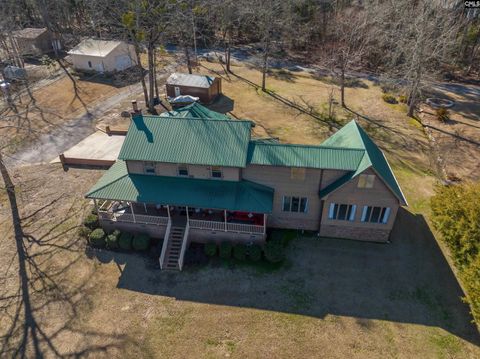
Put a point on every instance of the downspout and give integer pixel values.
(321, 200)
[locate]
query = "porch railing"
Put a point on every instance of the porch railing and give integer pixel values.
(184, 247)
(212, 225)
(244, 228)
(165, 243)
(141, 218)
(128, 217)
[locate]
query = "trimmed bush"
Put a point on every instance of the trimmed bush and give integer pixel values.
(84, 232)
(141, 242)
(389, 98)
(210, 249)
(255, 253)
(225, 250)
(112, 241)
(125, 241)
(97, 238)
(240, 252)
(91, 221)
(442, 114)
(274, 251)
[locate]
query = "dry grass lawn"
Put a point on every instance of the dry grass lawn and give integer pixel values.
(333, 298)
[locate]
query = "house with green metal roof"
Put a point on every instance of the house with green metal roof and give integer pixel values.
(194, 175)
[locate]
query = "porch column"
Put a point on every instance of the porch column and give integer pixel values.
(188, 219)
(264, 223)
(145, 206)
(168, 211)
(133, 214)
(225, 216)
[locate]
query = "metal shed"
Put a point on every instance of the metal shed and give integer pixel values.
(207, 88)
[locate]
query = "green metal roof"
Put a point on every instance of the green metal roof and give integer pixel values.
(277, 154)
(354, 137)
(118, 184)
(195, 110)
(192, 141)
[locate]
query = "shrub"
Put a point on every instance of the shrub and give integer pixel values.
(389, 98)
(210, 249)
(125, 241)
(225, 250)
(274, 251)
(255, 253)
(141, 242)
(403, 98)
(97, 238)
(84, 231)
(112, 241)
(240, 252)
(91, 221)
(442, 114)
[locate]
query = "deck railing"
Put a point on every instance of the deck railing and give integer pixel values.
(184, 247)
(244, 228)
(165, 243)
(211, 225)
(141, 218)
(128, 217)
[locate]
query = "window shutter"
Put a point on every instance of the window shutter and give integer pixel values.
(330, 211)
(386, 215)
(352, 213)
(364, 213)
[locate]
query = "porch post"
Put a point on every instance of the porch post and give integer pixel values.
(264, 223)
(188, 219)
(225, 216)
(96, 206)
(145, 206)
(133, 214)
(168, 211)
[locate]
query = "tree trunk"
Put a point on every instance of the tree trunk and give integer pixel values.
(187, 56)
(155, 74)
(265, 65)
(151, 93)
(342, 86)
(413, 98)
(139, 62)
(228, 56)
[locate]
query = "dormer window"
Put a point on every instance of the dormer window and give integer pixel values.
(366, 181)
(216, 172)
(149, 168)
(183, 170)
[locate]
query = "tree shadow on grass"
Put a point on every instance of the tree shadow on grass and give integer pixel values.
(32, 323)
(405, 281)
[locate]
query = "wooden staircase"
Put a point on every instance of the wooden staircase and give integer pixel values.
(174, 247)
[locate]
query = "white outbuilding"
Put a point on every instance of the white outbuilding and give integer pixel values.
(103, 56)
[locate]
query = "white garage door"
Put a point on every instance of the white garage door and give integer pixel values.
(122, 62)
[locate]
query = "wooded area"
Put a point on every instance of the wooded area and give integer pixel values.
(408, 41)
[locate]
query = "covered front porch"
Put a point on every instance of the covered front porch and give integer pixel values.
(196, 218)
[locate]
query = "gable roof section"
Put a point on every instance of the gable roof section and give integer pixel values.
(191, 80)
(118, 184)
(277, 154)
(195, 110)
(353, 136)
(192, 141)
(92, 47)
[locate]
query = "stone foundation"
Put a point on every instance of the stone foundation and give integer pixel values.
(357, 233)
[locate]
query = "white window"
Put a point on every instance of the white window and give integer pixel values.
(216, 172)
(297, 173)
(149, 168)
(366, 181)
(183, 170)
(295, 204)
(342, 212)
(375, 214)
